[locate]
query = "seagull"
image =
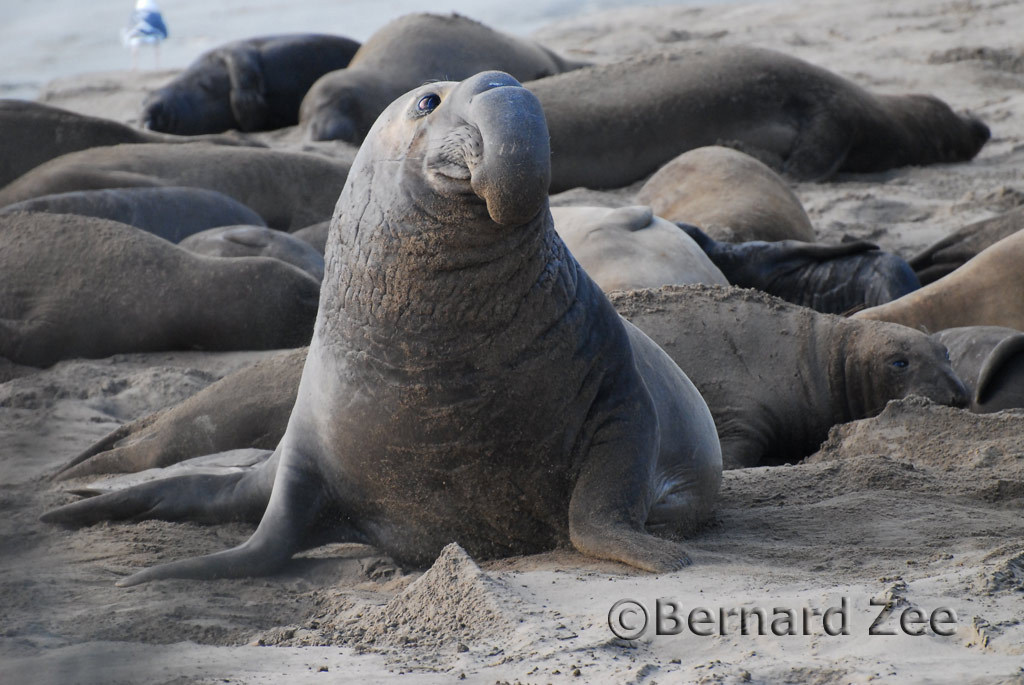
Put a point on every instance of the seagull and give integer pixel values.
(146, 27)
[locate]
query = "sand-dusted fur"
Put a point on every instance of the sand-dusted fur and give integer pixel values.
(171, 212)
(630, 248)
(257, 241)
(806, 121)
(777, 376)
(287, 189)
(406, 52)
(986, 291)
(78, 286)
(254, 84)
(729, 194)
(964, 244)
(466, 380)
(990, 362)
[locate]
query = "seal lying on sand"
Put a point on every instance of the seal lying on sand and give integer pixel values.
(408, 51)
(833, 279)
(257, 241)
(990, 362)
(287, 189)
(171, 212)
(630, 248)
(255, 84)
(962, 245)
(466, 380)
(809, 122)
(986, 291)
(729, 194)
(77, 286)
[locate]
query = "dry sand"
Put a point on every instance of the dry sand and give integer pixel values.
(920, 506)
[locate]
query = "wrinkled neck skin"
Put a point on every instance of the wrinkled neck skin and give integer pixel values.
(851, 394)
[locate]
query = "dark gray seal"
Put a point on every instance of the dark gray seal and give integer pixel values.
(406, 52)
(964, 244)
(173, 213)
(833, 279)
(257, 241)
(255, 84)
(613, 124)
(990, 362)
(466, 380)
(77, 286)
(288, 189)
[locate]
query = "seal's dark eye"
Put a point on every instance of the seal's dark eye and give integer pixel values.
(428, 103)
(900, 363)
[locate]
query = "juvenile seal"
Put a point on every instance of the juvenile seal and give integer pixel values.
(466, 380)
(629, 248)
(257, 241)
(809, 122)
(832, 279)
(171, 212)
(287, 189)
(730, 195)
(953, 251)
(406, 52)
(990, 362)
(986, 291)
(123, 290)
(255, 84)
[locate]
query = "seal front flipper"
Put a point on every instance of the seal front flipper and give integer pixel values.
(248, 93)
(819, 150)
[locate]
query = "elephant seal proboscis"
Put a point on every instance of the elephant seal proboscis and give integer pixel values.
(466, 380)
(986, 291)
(990, 362)
(257, 241)
(171, 212)
(807, 121)
(629, 248)
(833, 279)
(254, 84)
(406, 52)
(960, 246)
(729, 194)
(77, 286)
(288, 189)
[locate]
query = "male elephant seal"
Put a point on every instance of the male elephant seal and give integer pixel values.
(288, 189)
(77, 286)
(809, 122)
(173, 213)
(466, 380)
(833, 279)
(729, 194)
(953, 251)
(257, 241)
(986, 291)
(255, 84)
(990, 362)
(630, 248)
(408, 51)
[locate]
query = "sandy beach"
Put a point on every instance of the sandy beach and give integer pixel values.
(916, 510)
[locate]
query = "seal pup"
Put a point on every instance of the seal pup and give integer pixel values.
(960, 246)
(466, 380)
(255, 84)
(629, 248)
(729, 194)
(986, 291)
(990, 362)
(406, 52)
(256, 241)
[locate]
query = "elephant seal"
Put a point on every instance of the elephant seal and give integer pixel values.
(287, 189)
(729, 194)
(833, 279)
(123, 290)
(315, 235)
(257, 241)
(777, 376)
(986, 291)
(173, 213)
(953, 251)
(466, 380)
(255, 84)
(629, 248)
(406, 52)
(807, 122)
(990, 362)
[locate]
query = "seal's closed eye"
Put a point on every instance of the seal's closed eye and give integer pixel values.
(428, 103)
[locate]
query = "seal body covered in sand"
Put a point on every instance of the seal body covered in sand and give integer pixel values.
(466, 380)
